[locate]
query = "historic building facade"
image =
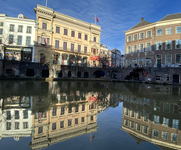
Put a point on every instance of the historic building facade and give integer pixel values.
(154, 44)
(115, 58)
(18, 36)
(66, 40)
(105, 56)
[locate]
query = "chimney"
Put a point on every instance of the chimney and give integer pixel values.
(142, 19)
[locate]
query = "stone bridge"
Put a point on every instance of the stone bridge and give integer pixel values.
(65, 71)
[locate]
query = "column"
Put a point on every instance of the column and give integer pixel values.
(68, 60)
(60, 59)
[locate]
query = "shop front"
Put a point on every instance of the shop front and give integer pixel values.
(95, 60)
(19, 53)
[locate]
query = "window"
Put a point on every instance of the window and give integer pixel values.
(83, 107)
(64, 45)
(91, 118)
(94, 39)
(174, 137)
(11, 28)
(156, 119)
(69, 122)
(126, 122)
(11, 39)
(54, 111)
(134, 48)
(168, 45)
(39, 40)
(19, 40)
(8, 125)
(82, 119)
(165, 135)
(178, 58)
(155, 133)
(56, 44)
(145, 129)
(1, 24)
(135, 37)
(61, 124)
(25, 114)
(168, 31)
(132, 113)
(145, 117)
(79, 48)
(146, 102)
(72, 47)
(148, 34)
(175, 123)
(48, 41)
(138, 127)
(159, 32)
(62, 111)
(178, 29)
(165, 122)
(8, 117)
(16, 114)
(57, 29)
(28, 40)
(73, 34)
(141, 48)
(168, 58)
(1, 31)
(141, 36)
(44, 26)
(85, 38)
(176, 109)
(65, 32)
(1, 40)
(129, 49)
(178, 44)
(76, 120)
(148, 46)
(159, 45)
(70, 110)
(16, 125)
(138, 115)
(42, 58)
(20, 28)
(85, 49)
(25, 125)
(54, 126)
(129, 39)
(132, 124)
(126, 111)
(40, 129)
(77, 109)
(28, 30)
(79, 35)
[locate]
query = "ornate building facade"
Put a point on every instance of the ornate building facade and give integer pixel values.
(67, 40)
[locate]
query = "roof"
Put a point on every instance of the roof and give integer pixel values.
(172, 16)
(142, 23)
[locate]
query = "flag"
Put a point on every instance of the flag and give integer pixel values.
(92, 138)
(96, 19)
(44, 41)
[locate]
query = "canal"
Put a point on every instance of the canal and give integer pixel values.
(89, 115)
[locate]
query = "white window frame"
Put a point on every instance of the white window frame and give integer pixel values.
(147, 34)
(134, 37)
(170, 59)
(128, 38)
(140, 47)
(176, 30)
(168, 42)
(153, 133)
(167, 29)
(140, 35)
(128, 50)
(160, 43)
(134, 51)
(162, 135)
(159, 34)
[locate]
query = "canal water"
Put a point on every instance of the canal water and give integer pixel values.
(89, 115)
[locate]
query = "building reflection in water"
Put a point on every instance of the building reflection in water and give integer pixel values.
(155, 121)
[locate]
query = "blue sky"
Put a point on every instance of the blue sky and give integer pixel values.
(115, 16)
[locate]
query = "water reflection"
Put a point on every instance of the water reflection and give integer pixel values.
(53, 112)
(153, 120)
